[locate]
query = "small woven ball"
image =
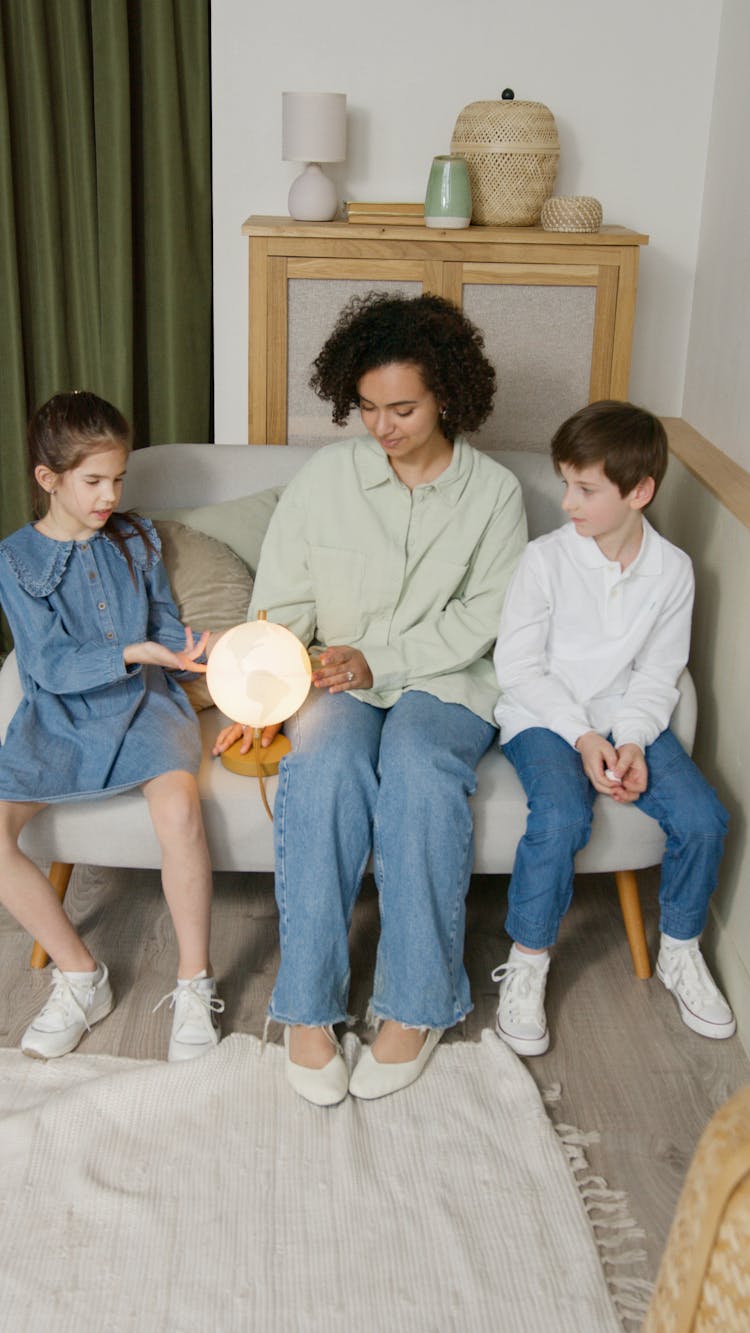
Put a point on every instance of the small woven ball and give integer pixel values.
(573, 212)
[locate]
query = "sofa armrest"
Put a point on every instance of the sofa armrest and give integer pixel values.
(685, 716)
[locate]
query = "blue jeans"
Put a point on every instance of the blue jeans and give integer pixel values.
(561, 798)
(395, 781)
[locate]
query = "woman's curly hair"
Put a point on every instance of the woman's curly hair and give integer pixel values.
(428, 332)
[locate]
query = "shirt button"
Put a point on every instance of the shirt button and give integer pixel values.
(102, 606)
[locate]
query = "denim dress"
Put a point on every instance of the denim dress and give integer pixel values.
(88, 725)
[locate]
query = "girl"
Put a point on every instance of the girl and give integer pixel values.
(393, 550)
(97, 637)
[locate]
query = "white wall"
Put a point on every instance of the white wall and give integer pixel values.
(717, 388)
(717, 403)
(630, 87)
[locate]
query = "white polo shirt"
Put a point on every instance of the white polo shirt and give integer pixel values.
(586, 646)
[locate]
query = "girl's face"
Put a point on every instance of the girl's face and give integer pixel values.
(82, 499)
(401, 413)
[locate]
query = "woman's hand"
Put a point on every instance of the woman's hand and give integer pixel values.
(150, 653)
(228, 735)
(342, 668)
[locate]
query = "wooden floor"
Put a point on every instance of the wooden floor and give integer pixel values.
(627, 1066)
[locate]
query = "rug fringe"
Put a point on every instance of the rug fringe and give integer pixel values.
(613, 1228)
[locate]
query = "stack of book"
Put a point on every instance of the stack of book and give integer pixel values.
(389, 215)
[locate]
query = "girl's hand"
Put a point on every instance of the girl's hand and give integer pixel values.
(342, 668)
(192, 650)
(228, 735)
(149, 653)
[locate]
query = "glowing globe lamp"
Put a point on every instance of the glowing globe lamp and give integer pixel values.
(258, 674)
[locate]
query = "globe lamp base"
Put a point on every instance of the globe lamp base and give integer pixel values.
(251, 765)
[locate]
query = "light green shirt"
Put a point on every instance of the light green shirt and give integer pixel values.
(414, 579)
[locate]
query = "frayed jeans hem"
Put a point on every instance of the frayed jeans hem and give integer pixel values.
(374, 1019)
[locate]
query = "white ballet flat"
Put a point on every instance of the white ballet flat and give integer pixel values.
(323, 1087)
(372, 1079)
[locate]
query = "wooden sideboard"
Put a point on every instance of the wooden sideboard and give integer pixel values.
(556, 308)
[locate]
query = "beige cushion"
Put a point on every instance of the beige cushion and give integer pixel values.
(210, 584)
(241, 524)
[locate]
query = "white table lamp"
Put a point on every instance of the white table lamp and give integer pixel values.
(313, 131)
(258, 674)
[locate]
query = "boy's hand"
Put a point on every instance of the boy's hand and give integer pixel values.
(598, 755)
(632, 770)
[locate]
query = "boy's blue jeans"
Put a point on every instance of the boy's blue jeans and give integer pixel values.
(396, 781)
(561, 798)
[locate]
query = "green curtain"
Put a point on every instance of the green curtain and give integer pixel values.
(105, 217)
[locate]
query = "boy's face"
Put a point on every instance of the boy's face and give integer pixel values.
(594, 503)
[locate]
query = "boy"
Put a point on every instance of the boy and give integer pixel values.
(594, 633)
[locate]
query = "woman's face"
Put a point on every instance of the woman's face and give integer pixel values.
(400, 413)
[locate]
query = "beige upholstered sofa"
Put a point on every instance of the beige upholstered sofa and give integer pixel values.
(117, 831)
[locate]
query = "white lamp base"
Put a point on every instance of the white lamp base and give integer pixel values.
(313, 196)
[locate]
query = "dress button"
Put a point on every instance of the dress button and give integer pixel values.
(92, 576)
(110, 635)
(102, 606)
(84, 546)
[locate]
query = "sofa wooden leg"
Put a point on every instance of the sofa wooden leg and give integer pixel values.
(630, 906)
(59, 876)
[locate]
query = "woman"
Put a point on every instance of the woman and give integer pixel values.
(393, 551)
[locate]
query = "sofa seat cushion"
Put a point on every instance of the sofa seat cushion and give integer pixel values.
(622, 838)
(118, 831)
(240, 835)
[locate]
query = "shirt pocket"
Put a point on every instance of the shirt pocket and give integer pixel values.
(338, 574)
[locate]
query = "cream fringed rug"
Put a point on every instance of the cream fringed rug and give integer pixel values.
(208, 1198)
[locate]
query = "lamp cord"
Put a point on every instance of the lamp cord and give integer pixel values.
(258, 756)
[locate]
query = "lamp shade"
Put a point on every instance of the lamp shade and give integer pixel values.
(258, 673)
(313, 127)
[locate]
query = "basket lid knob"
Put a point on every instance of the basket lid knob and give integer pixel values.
(507, 95)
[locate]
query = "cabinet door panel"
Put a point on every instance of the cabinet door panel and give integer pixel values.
(539, 339)
(312, 309)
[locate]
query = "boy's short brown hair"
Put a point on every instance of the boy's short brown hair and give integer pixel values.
(629, 442)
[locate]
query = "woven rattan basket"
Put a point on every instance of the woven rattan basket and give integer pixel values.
(512, 150)
(571, 212)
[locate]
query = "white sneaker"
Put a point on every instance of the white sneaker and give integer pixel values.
(195, 1027)
(702, 1005)
(77, 1002)
(521, 1020)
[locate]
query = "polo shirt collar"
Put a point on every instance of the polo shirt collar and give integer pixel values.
(648, 562)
